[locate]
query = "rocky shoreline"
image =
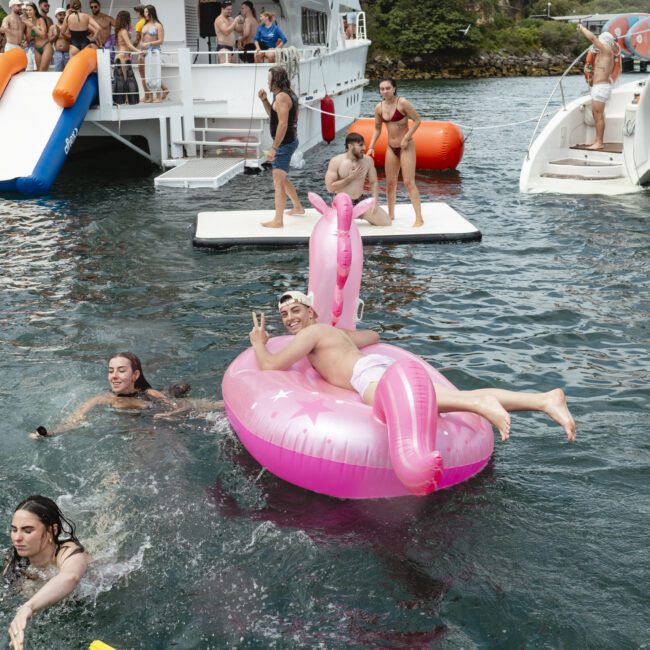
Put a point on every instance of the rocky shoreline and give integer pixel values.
(484, 65)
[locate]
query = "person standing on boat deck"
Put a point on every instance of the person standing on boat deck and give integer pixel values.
(12, 26)
(348, 173)
(43, 9)
(125, 87)
(395, 112)
(137, 38)
(43, 543)
(283, 123)
(248, 31)
(601, 90)
(60, 41)
(79, 25)
(335, 355)
(36, 35)
(153, 36)
(105, 22)
(268, 37)
(225, 27)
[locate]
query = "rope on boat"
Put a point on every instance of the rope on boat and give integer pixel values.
(462, 126)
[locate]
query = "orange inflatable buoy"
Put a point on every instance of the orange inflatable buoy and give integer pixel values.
(74, 76)
(11, 63)
(588, 70)
(327, 119)
(438, 145)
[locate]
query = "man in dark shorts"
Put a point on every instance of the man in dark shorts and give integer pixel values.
(225, 26)
(284, 116)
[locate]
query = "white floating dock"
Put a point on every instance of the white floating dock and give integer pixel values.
(201, 172)
(243, 228)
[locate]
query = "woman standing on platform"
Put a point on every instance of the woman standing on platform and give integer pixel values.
(395, 112)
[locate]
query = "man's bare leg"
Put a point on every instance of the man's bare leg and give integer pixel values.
(598, 111)
(553, 403)
(280, 197)
(297, 208)
(377, 217)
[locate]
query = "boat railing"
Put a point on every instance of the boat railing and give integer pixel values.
(550, 97)
(361, 26)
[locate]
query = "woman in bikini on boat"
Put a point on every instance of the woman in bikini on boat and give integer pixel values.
(36, 35)
(153, 36)
(79, 25)
(44, 548)
(123, 46)
(395, 112)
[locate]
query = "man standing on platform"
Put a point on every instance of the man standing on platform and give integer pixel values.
(225, 27)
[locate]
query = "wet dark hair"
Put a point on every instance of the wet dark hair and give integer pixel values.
(249, 4)
(141, 384)
(353, 137)
(390, 80)
(122, 21)
(153, 14)
(61, 529)
(280, 79)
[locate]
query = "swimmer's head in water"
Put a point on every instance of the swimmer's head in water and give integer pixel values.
(37, 523)
(125, 374)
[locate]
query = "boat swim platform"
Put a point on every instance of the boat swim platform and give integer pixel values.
(201, 172)
(442, 224)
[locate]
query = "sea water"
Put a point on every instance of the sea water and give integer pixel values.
(195, 547)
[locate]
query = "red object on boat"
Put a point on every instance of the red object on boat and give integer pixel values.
(438, 145)
(327, 119)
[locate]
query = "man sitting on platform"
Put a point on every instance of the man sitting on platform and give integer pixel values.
(348, 173)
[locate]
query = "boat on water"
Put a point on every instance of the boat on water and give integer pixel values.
(211, 126)
(558, 159)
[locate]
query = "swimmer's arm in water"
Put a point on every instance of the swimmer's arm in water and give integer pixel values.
(303, 343)
(361, 338)
(198, 405)
(71, 570)
(76, 418)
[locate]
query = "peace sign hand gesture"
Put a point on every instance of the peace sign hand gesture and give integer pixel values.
(258, 335)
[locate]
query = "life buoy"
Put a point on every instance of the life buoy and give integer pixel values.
(438, 145)
(588, 70)
(327, 119)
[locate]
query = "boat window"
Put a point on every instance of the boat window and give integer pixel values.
(314, 27)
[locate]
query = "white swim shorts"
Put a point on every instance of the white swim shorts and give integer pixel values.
(369, 369)
(11, 46)
(601, 92)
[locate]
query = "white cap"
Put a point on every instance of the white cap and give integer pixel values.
(291, 297)
(607, 38)
(60, 10)
(15, 2)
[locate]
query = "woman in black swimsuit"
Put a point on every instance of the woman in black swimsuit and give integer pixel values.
(43, 544)
(78, 25)
(395, 112)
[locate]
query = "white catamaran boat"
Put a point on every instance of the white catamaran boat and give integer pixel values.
(557, 160)
(212, 125)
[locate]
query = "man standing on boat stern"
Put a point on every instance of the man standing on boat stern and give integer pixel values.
(601, 90)
(12, 26)
(284, 131)
(348, 172)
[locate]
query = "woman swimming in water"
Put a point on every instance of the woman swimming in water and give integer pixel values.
(43, 541)
(129, 389)
(395, 112)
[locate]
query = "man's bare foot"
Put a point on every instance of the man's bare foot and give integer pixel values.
(295, 212)
(595, 147)
(490, 408)
(392, 217)
(556, 408)
(418, 223)
(165, 92)
(273, 224)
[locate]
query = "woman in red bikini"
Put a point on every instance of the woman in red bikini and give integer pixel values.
(395, 112)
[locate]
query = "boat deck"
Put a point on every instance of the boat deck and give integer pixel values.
(201, 172)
